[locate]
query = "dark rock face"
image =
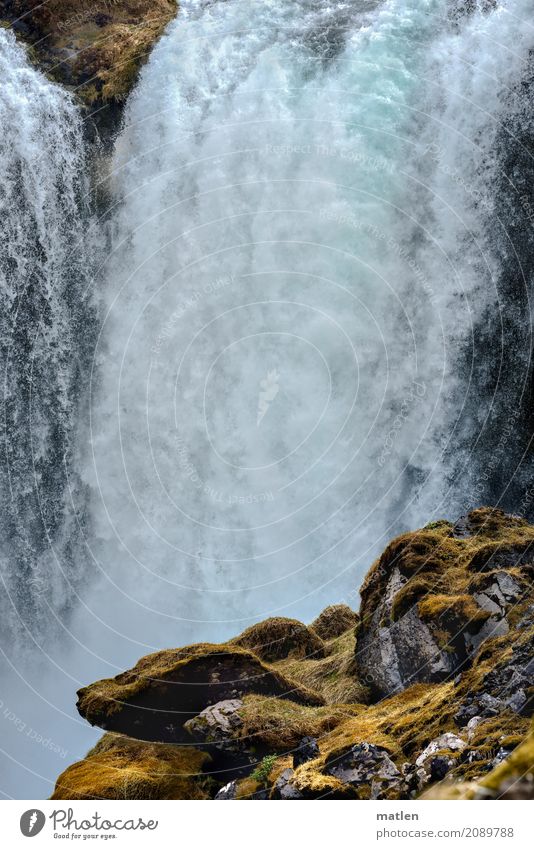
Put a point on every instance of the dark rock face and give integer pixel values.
(307, 750)
(393, 656)
(439, 768)
(434, 598)
(284, 789)
(508, 687)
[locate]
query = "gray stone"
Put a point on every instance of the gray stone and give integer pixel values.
(306, 750)
(368, 764)
(447, 741)
(472, 726)
(517, 701)
(392, 657)
(217, 724)
(284, 789)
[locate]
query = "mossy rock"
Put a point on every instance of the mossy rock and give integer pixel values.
(95, 50)
(121, 768)
(153, 700)
(278, 638)
(334, 621)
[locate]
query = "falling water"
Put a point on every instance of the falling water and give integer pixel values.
(315, 327)
(45, 334)
(300, 263)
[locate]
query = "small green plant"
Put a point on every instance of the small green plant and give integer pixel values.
(262, 771)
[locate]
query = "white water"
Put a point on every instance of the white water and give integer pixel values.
(275, 225)
(299, 256)
(45, 328)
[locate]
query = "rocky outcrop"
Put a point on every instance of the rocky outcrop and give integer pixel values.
(163, 691)
(428, 693)
(434, 597)
(94, 48)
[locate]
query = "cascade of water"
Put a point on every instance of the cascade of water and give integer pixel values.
(45, 333)
(300, 257)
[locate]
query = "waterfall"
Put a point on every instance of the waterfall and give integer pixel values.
(45, 331)
(312, 328)
(300, 265)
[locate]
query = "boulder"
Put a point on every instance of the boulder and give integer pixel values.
(445, 742)
(392, 656)
(229, 791)
(284, 788)
(366, 765)
(217, 724)
(163, 691)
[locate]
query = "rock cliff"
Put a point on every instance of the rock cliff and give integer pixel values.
(427, 692)
(95, 48)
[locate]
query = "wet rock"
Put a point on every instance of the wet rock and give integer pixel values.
(307, 750)
(229, 791)
(510, 683)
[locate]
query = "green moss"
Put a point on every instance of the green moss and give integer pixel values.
(263, 770)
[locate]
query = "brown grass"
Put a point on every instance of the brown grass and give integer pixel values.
(121, 768)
